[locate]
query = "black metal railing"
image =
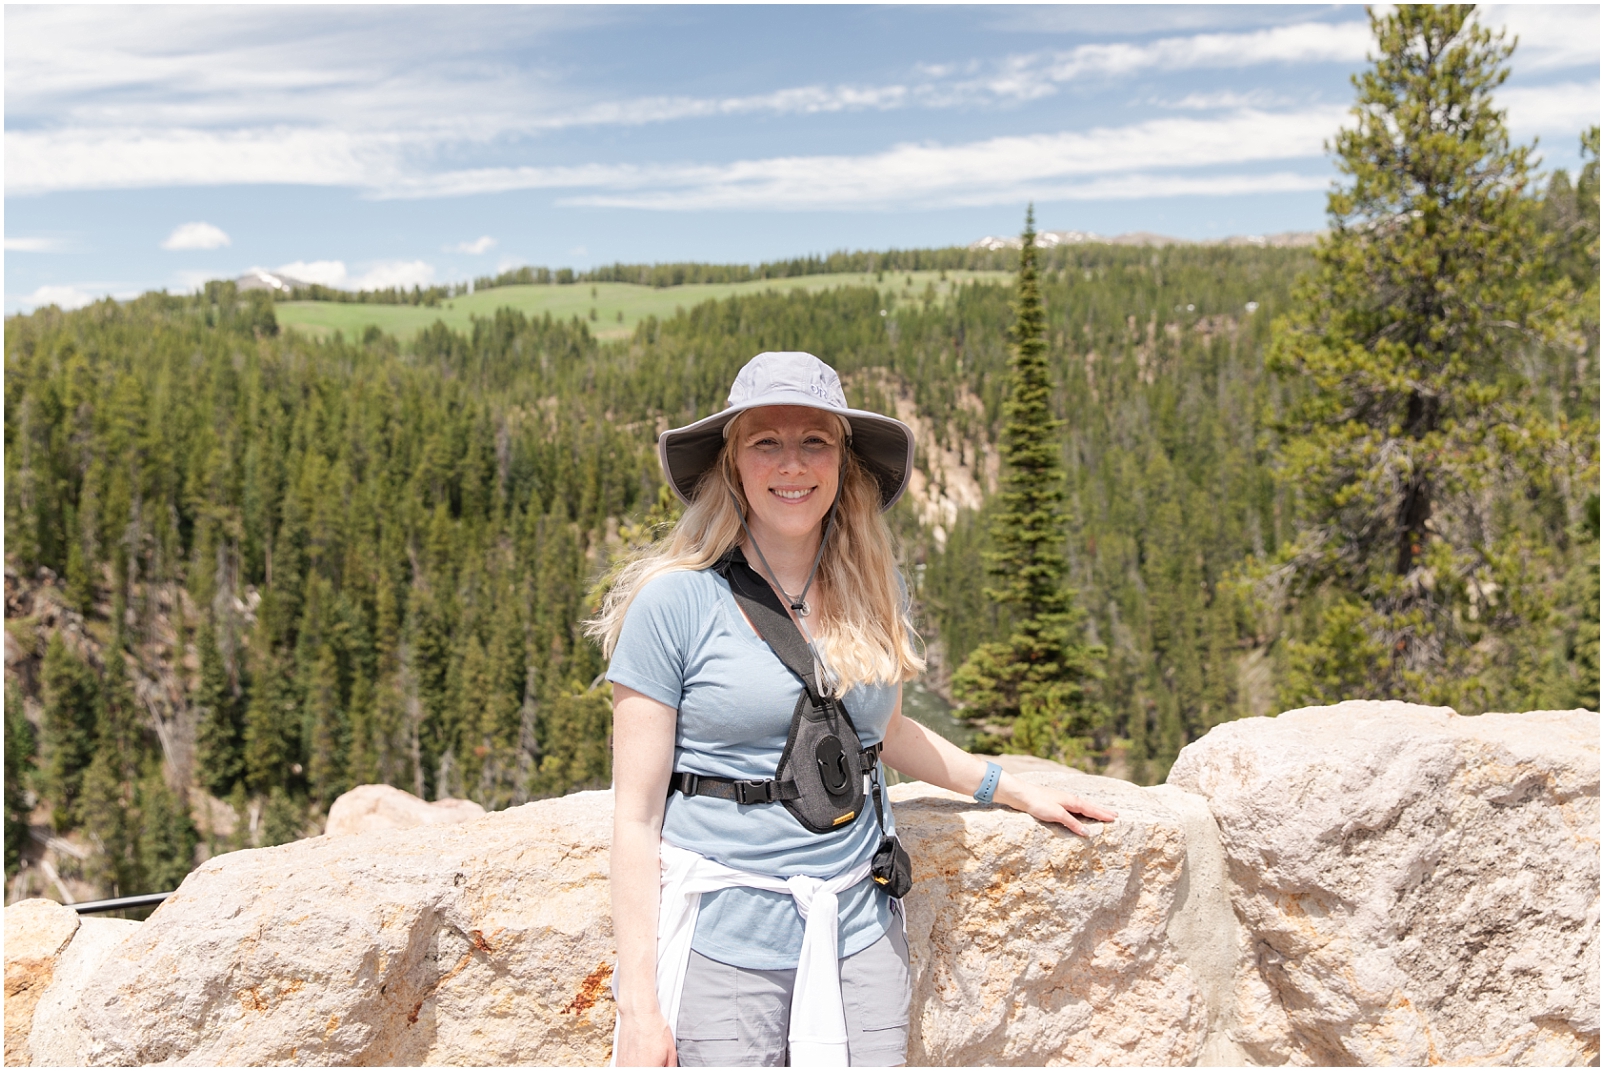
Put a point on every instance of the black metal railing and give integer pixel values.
(95, 907)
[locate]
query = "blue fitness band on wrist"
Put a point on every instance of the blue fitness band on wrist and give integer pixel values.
(988, 784)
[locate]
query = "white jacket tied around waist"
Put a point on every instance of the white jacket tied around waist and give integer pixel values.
(818, 1036)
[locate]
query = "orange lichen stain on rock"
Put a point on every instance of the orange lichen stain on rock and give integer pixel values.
(479, 942)
(332, 1025)
(589, 990)
(1000, 885)
(252, 998)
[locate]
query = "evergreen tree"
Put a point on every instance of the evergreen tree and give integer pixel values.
(71, 697)
(576, 749)
(104, 815)
(166, 835)
(219, 738)
(283, 820)
(1030, 692)
(331, 730)
(1411, 433)
(19, 745)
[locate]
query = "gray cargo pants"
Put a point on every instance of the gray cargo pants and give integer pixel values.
(734, 1017)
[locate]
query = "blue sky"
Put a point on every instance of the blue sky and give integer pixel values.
(151, 147)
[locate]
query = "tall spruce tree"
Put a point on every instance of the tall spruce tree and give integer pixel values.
(1430, 483)
(1030, 692)
(19, 756)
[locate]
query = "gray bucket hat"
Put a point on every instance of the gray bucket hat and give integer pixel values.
(883, 444)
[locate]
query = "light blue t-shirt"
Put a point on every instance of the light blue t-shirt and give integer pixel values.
(686, 644)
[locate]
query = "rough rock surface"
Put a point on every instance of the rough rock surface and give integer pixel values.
(1373, 883)
(1030, 945)
(490, 943)
(36, 933)
(56, 1037)
(1420, 887)
(479, 943)
(370, 808)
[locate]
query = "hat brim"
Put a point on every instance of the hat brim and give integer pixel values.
(883, 444)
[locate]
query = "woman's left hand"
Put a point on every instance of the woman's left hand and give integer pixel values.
(1050, 804)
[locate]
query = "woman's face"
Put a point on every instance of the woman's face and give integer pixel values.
(789, 461)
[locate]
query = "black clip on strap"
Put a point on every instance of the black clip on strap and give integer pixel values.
(738, 791)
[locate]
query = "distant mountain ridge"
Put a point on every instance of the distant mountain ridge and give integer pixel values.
(257, 279)
(1050, 239)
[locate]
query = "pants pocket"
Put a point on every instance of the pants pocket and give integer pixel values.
(707, 1002)
(875, 991)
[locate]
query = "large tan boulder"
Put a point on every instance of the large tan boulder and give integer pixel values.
(479, 943)
(370, 808)
(37, 932)
(1420, 887)
(1371, 883)
(490, 943)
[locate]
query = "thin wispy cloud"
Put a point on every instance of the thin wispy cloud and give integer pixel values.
(66, 297)
(1551, 36)
(33, 245)
(94, 103)
(997, 170)
(1564, 108)
(241, 81)
(1208, 102)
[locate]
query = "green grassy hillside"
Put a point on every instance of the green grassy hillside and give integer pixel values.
(617, 307)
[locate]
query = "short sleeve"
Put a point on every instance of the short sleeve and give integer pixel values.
(654, 643)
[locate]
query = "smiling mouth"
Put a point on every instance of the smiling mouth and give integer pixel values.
(791, 496)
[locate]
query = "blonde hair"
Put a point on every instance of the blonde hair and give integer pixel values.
(866, 637)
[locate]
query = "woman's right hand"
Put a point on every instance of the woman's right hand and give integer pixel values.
(645, 1041)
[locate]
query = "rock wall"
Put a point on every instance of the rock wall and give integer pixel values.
(1368, 883)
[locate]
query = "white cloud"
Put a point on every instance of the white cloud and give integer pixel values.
(321, 272)
(380, 276)
(401, 273)
(32, 245)
(196, 236)
(999, 169)
(477, 247)
(89, 159)
(1551, 36)
(1208, 102)
(1309, 42)
(174, 97)
(67, 297)
(108, 98)
(1566, 108)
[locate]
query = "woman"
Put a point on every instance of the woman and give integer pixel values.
(715, 858)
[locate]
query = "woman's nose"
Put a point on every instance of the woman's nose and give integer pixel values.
(792, 458)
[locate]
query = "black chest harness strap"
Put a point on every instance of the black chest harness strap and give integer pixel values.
(822, 772)
(775, 627)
